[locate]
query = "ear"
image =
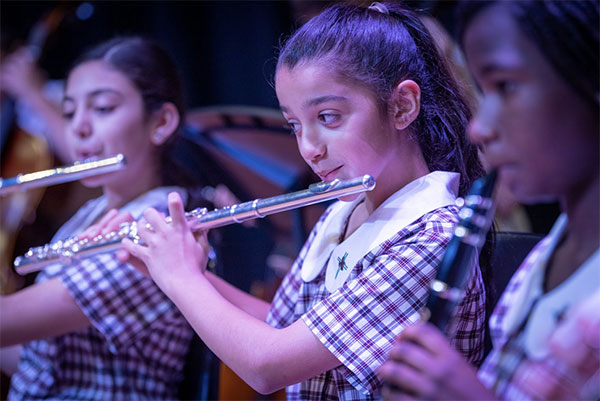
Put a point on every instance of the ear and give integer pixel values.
(164, 122)
(406, 103)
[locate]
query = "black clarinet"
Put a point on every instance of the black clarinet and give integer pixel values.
(475, 220)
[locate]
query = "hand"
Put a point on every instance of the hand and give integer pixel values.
(20, 76)
(110, 222)
(575, 352)
(423, 365)
(171, 252)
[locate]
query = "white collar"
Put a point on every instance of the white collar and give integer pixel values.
(542, 319)
(427, 193)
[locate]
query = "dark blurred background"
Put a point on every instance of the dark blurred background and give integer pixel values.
(225, 49)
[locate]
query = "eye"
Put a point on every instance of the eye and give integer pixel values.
(505, 87)
(68, 109)
(293, 126)
(104, 109)
(68, 114)
(328, 117)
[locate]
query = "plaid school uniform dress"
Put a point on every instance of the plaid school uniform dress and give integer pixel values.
(385, 292)
(136, 345)
(516, 360)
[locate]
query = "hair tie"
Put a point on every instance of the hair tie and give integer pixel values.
(377, 6)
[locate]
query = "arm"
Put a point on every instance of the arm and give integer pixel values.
(9, 359)
(113, 219)
(572, 370)
(265, 357)
(240, 299)
(423, 365)
(21, 78)
(33, 313)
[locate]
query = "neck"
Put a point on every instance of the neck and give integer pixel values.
(584, 216)
(394, 178)
(119, 195)
(580, 239)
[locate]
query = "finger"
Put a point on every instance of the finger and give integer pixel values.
(95, 229)
(108, 216)
(392, 393)
(138, 264)
(201, 237)
(25, 54)
(90, 232)
(122, 255)
(401, 378)
(205, 244)
(144, 230)
(176, 210)
(115, 223)
(224, 197)
(428, 337)
(135, 250)
(413, 355)
(155, 219)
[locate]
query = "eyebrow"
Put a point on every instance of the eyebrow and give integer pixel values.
(490, 68)
(500, 63)
(95, 93)
(319, 100)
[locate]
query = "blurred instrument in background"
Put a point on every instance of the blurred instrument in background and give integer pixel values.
(23, 153)
(58, 175)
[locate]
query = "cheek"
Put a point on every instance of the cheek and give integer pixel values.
(372, 135)
(126, 134)
(71, 145)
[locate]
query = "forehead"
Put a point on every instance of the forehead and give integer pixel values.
(313, 80)
(494, 36)
(94, 75)
(307, 74)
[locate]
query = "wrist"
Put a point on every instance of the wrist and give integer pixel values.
(176, 284)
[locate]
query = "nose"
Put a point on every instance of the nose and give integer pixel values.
(311, 146)
(80, 125)
(481, 128)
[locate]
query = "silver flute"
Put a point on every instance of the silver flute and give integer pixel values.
(76, 171)
(67, 251)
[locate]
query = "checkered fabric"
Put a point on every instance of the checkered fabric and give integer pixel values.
(384, 294)
(134, 349)
(508, 369)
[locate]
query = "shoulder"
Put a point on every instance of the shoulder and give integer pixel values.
(435, 228)
(418, 248)
(446, 216)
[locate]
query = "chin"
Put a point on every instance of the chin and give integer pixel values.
(348, 198)
(531, 195)
(93, 182)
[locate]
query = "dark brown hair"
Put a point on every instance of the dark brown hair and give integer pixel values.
(378, 50)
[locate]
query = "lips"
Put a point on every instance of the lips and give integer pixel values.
(86, 155)
(328, 175)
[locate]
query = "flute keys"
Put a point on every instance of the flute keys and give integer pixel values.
(79, 245)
